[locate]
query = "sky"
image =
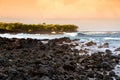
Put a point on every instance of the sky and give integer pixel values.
(60, 9)
(34, 10)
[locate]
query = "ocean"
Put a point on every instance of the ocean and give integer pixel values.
(113, 38)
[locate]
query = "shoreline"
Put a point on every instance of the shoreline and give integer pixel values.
(44, 32)
(59, 59)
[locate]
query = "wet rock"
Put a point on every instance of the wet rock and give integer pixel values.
(106, 65)
(83, 77)
(3, 76)
(83, 51)
(99, 76)
(66, 57)
(106, 77)
(112, 73)
(44, 70)
(117, 78)
(91, 43)
(66, 39)
(118, 56)
(106, 45)
(90, 74)
(60, 70)
(108, 51)
(45, 78)
(69, 66)
(76, 51)
(118, 49)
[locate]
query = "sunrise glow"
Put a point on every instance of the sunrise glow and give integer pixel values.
(57, 9)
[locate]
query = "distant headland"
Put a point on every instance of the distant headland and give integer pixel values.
(36, 28)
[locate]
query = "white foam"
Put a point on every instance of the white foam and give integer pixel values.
(45, 42)
(33, 36)
(117, 70)
(110, 38)
(71, 34)
(96, 32)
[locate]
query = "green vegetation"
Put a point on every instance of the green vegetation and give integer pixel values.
(38, 28)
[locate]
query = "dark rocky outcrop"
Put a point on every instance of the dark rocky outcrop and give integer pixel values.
(30, 59)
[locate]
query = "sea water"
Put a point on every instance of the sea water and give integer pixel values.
(113, 38)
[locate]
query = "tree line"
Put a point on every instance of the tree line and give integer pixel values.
(38, 27)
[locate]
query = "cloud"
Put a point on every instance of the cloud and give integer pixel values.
(81, 8)
(61, 8)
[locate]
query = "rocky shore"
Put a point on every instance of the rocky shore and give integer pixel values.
(57, 59)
